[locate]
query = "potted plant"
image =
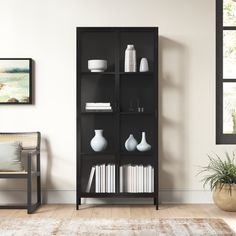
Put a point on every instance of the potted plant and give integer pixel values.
(221, 176)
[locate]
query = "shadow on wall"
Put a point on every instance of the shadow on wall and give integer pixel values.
(46, 167)
(173, 69)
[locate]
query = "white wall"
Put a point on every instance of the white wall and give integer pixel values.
(45, 31)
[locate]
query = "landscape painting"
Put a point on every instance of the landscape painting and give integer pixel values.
(15, 81)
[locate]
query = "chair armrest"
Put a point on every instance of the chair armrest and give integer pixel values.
(30, 154)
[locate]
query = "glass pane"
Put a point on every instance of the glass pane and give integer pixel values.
(229, 16)
(229, 54)
(229, 108)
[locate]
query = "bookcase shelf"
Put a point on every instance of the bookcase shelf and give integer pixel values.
(97, 113)
(135, 73)
(114, 172)
(120, 195)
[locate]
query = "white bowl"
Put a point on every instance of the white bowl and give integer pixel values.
(97, 65)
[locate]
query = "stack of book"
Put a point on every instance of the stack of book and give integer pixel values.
(104, 176)
(98, 106)
(136, 179)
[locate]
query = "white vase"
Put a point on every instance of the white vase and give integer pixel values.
(130, 59)
(131, 143)
(144, 65)
(143, 146)
(98, 142)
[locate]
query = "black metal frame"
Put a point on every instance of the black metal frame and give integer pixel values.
(30, 82)
(221, 138)
(79, 113)
(28, 176)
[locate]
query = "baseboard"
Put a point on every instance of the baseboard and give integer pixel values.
(167, 196)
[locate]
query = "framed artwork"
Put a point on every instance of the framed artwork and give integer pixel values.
(15, 81)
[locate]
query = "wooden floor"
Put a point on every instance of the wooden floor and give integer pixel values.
(128, 211)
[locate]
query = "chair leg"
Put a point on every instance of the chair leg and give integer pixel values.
(38, 190)
(38, 180)
(29, 187)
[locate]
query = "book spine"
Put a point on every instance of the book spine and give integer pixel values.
(142, 187)
(106, 167)
(152, 182)
(114, 179)
(112, 176)
(103, 178)
(134, 179)
(137, 178)
(129, 178)
(121, 179)
(149, 178)
(98, 179)
(145, 179)
(90, 180)
(88, 104)
(98, 108)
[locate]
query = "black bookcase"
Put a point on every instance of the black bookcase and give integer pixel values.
(120, 89)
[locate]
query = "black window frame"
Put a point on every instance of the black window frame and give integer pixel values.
(221, 138)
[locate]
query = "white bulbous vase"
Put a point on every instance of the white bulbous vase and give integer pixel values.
(131, 143)
(143, 146)
(144, 65)
(98, 142)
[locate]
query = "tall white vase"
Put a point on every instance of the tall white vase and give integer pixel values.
(143, 146)
(130, 58)
(131, 143)
(98, 142)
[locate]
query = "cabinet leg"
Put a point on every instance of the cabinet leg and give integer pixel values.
(78, 203)
(154, 201)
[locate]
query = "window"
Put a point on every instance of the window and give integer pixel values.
(226, 71)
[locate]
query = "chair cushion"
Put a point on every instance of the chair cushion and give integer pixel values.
(10, 156)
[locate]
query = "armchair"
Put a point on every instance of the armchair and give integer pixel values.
(30, 142)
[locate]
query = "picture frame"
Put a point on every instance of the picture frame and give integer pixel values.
(16, 81)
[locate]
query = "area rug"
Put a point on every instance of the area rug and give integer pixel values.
(122, 227)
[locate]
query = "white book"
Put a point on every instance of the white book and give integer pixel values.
(97, 179)
(149, 178)
(139, 179)
(129, 178)
(137, 176)
(90, 180)
(100, 104)
(107, 179)
(98, 108)
(152, 181)
(121, 179)
(142, 187)
(144, 179)
(134, 179)
(114, 179)
(103, 178)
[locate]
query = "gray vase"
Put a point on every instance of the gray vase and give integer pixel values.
(143, 146)
(98, 142)
(131, 143)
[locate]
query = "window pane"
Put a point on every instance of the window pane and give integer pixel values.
(229, 16)
(229, 54)
(229, 108)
